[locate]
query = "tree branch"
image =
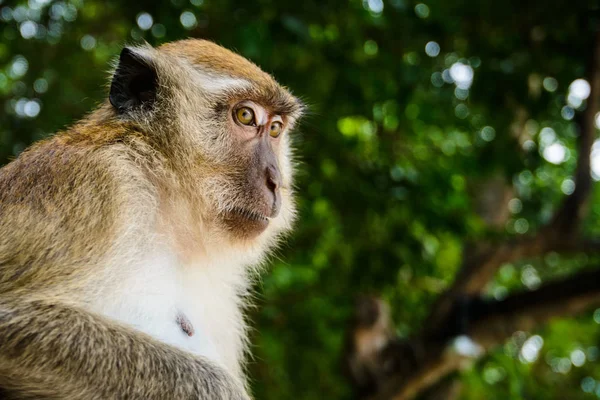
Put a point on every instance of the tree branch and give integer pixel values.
(402, 369)
(567, 220)
(562, 232)
(495, 321)
(489, 323)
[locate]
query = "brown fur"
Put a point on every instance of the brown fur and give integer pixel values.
(76, 208)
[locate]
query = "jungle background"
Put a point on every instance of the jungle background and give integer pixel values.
(443, 162)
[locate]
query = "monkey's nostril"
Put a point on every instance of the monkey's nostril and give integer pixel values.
(272, 179)
(272, 184)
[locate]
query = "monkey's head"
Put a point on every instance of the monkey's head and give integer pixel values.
(223, 124)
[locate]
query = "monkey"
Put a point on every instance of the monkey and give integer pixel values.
(129, 242)
(370, 332)
(373, 352)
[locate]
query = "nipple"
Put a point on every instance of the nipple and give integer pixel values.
(185, 324)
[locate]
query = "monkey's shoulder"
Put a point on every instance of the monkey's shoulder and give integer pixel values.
(48, 172)
(62, 203)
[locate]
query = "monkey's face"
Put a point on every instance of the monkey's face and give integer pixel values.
(249, 144)
(229, 125)
(256, 200)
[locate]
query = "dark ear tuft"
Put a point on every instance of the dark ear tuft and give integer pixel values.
(134, 83)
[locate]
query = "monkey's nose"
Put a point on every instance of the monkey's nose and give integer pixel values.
(273, 178)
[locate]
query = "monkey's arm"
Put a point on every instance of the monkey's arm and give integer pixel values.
(51, 350)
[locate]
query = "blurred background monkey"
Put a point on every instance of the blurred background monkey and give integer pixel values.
(128, 241)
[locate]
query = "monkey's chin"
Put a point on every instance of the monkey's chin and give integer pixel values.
(245, 224)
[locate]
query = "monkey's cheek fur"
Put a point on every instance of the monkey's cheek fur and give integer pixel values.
(245, 224)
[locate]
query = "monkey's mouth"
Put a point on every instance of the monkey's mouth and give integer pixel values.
(249, 214)
(245, 223)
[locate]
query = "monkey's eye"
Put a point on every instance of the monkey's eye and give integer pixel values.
(245, 116)
(275, 129)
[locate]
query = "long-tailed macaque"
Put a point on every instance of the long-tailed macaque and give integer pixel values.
(128, 241)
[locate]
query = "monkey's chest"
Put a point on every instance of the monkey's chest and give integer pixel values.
(196, 313)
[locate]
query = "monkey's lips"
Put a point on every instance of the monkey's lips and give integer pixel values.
(246, 223)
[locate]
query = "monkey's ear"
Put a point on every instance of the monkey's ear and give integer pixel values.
(134, 83)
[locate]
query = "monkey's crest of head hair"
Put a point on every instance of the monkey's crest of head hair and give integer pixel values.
(176, 105)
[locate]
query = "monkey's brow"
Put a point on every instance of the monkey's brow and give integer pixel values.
(278, 104)
(275, 98)
(220, 107)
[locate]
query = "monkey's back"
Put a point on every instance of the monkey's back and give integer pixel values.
(59, 200)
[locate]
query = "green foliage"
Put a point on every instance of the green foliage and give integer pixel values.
(413, 107)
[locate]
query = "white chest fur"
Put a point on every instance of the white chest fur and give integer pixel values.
(153, 291)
